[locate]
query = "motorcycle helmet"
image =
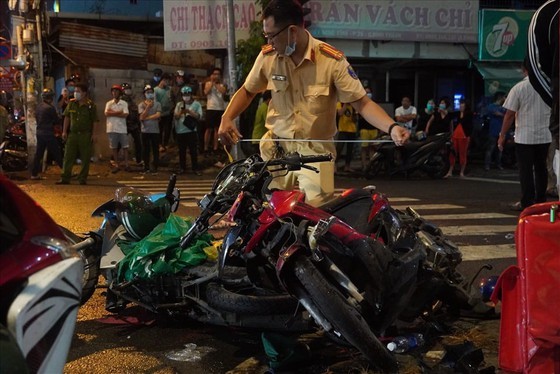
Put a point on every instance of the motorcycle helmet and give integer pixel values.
(117, 87)
(138, 212)
(127, 89)
(487, 286)
(186, 90)
(47, 94)
(147, 88)
(180, 73)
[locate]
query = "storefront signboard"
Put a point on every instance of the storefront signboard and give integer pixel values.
(503, 34)
(203, 24)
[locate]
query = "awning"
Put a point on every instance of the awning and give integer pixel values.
(499, 76)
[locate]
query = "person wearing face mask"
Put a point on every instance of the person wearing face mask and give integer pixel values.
(187, 114)
(80, 117)
(163, 96)
(442, 119)
(149, 112)
(133, 123)
(307, 77)
(425, 115)
(66, 95)
(156, 78)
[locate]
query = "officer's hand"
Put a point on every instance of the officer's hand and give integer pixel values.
(228, 133)
(64, 136)
(400, 135)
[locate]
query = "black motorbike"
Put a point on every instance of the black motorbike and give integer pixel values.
(430, 155)
(13, 149)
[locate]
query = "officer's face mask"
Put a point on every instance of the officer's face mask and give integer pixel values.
(290, 49)
(157, 78)
(369, 95)
(71, 89)
(442, 106)
(78, 96)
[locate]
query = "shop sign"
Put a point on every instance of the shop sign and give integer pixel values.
(451, 21)
(203, 24)
(503, 34)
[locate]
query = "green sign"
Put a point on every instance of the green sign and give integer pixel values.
(502, 34)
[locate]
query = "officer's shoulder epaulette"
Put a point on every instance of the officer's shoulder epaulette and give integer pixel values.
(266, 49)
(330, 51)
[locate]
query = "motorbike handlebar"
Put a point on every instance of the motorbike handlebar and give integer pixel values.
(171, 185)
(296, 159)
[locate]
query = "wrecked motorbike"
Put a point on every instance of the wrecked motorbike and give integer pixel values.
(355, 264)
(179, 281)
(40, 286)
(430, 155)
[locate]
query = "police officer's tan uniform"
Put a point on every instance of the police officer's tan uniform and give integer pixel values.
(303, 106)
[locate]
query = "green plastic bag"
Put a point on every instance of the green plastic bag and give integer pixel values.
(159, 253)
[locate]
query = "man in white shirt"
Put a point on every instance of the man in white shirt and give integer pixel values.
(532, 139)
(116, 111)
(406, 114)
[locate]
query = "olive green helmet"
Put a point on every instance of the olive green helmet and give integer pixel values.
(138, 212)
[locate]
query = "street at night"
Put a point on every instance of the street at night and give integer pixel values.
(472, 211)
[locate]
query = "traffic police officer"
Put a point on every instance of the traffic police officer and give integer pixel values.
(306, 77)
(79, 118)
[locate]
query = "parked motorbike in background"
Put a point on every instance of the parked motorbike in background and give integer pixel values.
(40, 286)
(355, 264)
(13, 148)
(429, 155)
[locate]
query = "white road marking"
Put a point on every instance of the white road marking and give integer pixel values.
(477, 230)
(487, 252)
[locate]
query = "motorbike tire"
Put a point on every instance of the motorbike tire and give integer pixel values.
(221, 298)
(91, 260)
(344, 317)
(374, 167)
(437, 166)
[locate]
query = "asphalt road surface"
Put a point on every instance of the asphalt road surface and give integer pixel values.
(472, 211)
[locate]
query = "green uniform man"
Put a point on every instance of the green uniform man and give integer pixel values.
(79, 118)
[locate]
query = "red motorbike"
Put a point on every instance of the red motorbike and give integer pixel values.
(40, 286)
(355, 264)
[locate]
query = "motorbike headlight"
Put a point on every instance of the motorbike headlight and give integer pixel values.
(56, 245)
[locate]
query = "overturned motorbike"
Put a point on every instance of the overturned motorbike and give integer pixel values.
(430, 155)
(355, 264)
(193, 289)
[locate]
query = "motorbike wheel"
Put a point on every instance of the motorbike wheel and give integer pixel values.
(437, 166)
(347, 321)
(374, 167)
(91, 260)
(256, 303)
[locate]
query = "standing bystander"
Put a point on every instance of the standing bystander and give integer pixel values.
(66, 95)
(496, 113)
(163, 96)
(259, 128)
(188, 113)
(367, 133)
(347, 128)
(214, 90)
(47, 117)
(80, 116)
(133, 123)
(406, 114)
(532, 139)
(460, 137)
(116, 111)
(149, 111)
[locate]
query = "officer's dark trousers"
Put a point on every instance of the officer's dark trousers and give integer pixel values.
(531, 161)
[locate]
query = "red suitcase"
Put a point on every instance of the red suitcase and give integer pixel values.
(530, 295)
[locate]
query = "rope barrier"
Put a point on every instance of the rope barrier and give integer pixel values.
(317, 140)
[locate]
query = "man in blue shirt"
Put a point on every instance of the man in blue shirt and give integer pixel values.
(496, 113)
